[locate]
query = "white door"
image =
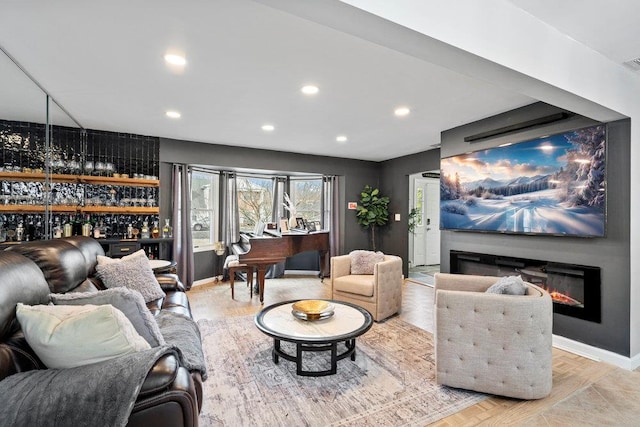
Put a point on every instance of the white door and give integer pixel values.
(432, 222)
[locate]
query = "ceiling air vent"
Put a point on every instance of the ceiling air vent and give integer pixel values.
(634, 64)
(540, 121)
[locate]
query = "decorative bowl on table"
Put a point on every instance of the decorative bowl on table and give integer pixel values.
(312, 309)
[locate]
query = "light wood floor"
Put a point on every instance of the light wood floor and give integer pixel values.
(585, 392)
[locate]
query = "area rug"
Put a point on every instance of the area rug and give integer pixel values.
(391, 382)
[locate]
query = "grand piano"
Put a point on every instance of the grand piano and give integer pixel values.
(263, 251)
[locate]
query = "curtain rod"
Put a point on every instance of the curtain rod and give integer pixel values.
(257, 174)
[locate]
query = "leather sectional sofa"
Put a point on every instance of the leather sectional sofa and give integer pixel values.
(170, 394)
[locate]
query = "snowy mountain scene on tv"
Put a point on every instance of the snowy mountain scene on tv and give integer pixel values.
(553, 185)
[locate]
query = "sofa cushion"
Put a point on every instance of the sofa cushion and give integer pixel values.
(68, 336)
(62, 264)
(508, 285)
(361, 284)
(90, 249)
(134, 273)
(129, 302)
(363, 262)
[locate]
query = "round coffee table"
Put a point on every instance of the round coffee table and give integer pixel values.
(348, 322)
(162, 266)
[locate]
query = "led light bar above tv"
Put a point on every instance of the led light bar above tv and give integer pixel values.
(554, 185)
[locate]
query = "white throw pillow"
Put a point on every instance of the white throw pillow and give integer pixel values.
(508, 285)
(66, 336)
(363, 262)
(128, 301)
(102, 260)
(134, 273)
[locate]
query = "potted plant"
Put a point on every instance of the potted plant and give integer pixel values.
(372, 211)
(413, 214)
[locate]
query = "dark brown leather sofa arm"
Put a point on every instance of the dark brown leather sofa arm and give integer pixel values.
(167, 397)
(170, 282)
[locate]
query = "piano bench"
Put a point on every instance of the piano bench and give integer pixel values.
(241, 268)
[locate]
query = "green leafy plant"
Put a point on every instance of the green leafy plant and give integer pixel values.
(413, 214)
(372, 211)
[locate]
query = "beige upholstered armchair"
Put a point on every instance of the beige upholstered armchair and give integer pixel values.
(491, 343)
(380, 293)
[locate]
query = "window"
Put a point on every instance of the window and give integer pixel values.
(306, 195)
(259, 198)
(419, 206)
(204, 208)
(255, 201)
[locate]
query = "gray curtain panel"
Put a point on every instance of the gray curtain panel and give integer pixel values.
(332, 215)
(278, 197)
(230, 224)
(182, 240)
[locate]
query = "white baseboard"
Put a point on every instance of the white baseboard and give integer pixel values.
(597, 354)
(203, 281)
(302, 272)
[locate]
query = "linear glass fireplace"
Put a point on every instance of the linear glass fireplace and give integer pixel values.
(575, 289)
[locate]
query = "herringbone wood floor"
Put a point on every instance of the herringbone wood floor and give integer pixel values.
(585, 392)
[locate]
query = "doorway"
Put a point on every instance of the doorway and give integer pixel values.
(424, 240)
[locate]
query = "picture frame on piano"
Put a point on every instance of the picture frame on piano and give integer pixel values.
(284, 225)
(300, 223)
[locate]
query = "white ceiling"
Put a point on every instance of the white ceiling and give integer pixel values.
(103, 62)
(609, 27)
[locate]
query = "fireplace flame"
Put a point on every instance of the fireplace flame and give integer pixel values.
(561, 297)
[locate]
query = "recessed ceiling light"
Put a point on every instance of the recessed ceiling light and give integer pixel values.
(341, 138)
(268, 128)
(173, 114)
(174, 59)
(310, 90)
(401, 111)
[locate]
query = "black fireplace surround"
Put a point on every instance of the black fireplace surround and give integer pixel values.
(575, 289)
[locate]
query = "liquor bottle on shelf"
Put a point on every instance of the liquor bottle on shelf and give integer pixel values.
(30, 234)
(67, 229)
(57, 231)
(144, 232)
(155, 231)
(19, 232)
(86, 227)
(97, 231)
(76, 225)
(167, 230)
(39, 229)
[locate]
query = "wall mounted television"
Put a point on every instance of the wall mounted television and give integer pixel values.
(553, 185)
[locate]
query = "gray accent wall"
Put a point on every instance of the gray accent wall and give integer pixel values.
(610, 253)
(354, 175)
(394, 182)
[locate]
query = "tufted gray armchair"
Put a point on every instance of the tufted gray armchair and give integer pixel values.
(379, 293)
(497, 344)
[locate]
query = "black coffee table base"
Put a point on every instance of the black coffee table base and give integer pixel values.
(277, 352)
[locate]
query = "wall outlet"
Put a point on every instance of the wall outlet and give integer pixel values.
(397, 217)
